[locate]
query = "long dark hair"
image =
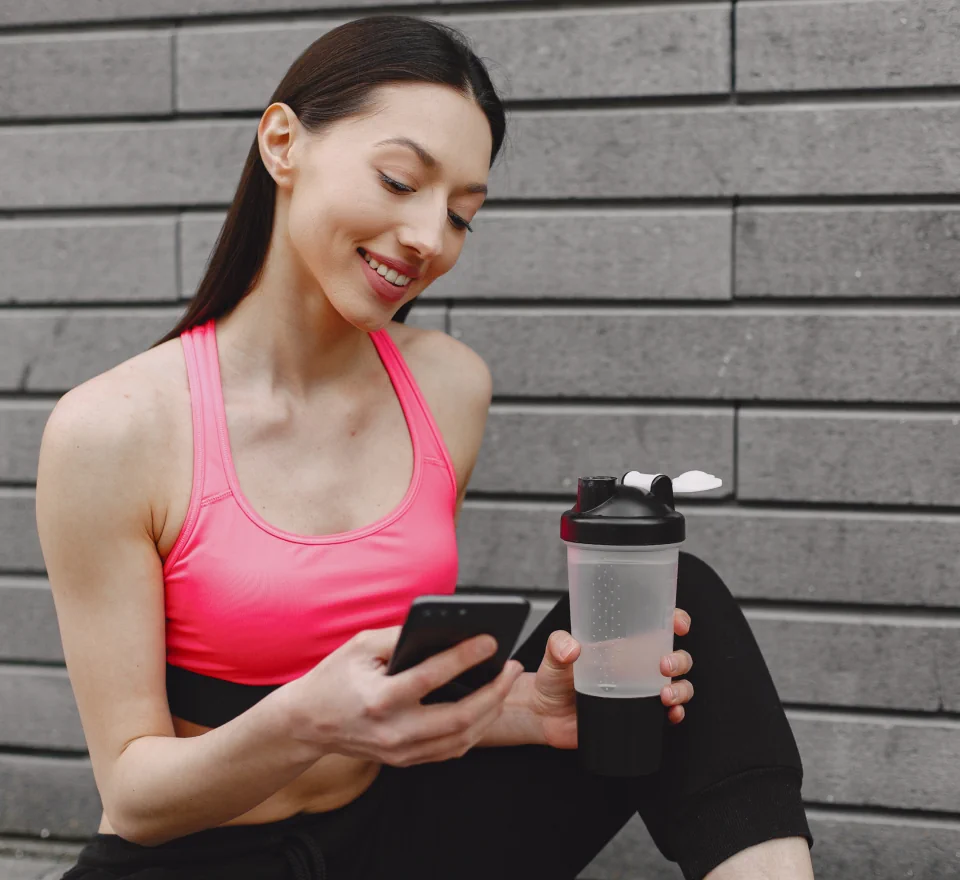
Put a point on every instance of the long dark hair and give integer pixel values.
(332, 80)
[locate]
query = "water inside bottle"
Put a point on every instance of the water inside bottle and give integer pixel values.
(622, 615)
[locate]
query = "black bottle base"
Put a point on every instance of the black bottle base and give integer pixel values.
(620, 737)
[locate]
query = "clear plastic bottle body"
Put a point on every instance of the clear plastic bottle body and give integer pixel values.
(622, 601)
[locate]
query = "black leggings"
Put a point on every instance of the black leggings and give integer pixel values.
(730, 778)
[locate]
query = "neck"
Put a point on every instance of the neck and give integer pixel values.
(285, 331)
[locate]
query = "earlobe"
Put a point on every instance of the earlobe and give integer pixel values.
(276, 135)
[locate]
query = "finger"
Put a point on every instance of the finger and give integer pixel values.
(415, 683)
(681, 622)
(676, 714)
(443, 720)
(562, 648)
(677, 693)
(677, 663)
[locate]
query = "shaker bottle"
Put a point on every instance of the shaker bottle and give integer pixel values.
(623, 540)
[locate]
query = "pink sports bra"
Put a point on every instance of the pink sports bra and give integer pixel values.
(249, 606)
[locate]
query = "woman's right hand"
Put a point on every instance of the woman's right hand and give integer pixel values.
(349, 705)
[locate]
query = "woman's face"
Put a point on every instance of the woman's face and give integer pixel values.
(378, 205)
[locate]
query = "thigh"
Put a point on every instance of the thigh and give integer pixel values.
(734, 726)
(512, 812)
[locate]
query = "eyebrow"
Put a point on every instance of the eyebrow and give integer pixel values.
(428, 159)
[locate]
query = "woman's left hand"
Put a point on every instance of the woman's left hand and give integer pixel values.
(553, 701)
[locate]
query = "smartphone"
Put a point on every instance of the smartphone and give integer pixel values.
(435, 623)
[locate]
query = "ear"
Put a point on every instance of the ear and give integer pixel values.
(277, 134)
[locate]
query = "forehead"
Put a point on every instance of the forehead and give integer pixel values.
(449, 125)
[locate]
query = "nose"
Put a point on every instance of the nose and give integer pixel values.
(424, 231)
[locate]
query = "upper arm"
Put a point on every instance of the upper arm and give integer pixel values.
(94, 517)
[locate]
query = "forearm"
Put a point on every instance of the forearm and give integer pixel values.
(517, 726)
(165, 787)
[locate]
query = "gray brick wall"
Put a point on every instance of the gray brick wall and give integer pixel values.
(763, 199)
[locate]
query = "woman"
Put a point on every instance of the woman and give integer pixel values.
(235, 522)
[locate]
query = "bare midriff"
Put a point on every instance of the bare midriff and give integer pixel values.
(332, 782)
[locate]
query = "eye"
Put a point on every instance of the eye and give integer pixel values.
(395, 185)
(459, 223)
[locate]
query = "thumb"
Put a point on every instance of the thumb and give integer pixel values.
(556, 671)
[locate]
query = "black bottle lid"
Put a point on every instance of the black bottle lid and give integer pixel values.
(609, 513)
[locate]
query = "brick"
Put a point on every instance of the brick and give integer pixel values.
(428, 317)
(876, 661)
(901, 252)
(86, 74)
(815, 45)
(607, 253)
(857, 458)
(888, 762)
(198, 234)
(19, 544)
(846, 845)
(544, 449)
(749, 151)
(21, 426)
(14, 12)
(744, 354)
(28, 621)
(537, 55)
(88, 260)
(796, 556)
(41, 712)
(54, 351)
(123, 164)
(45, 793)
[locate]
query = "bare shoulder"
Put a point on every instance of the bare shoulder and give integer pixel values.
(444, 365)
(457, 385)
(118, 421)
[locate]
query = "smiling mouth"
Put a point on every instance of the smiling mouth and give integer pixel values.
(385, 272)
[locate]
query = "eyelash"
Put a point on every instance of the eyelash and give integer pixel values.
(402, 189)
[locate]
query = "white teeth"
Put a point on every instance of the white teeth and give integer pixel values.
(392, 275)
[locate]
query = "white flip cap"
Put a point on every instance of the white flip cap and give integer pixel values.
(686, 484)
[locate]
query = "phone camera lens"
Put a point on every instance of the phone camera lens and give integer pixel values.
(426, 612)
(443, 612)
(463, 611)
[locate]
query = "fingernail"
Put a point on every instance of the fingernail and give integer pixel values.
(672, 664)
(672, 694)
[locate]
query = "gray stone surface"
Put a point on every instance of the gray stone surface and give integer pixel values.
(815, 45)
(39, 709)
(865, 761)
(39, 793)
(123, 164)
(15, 12)
(721, 151)
(856, 458)
(833, 252)
(197, 235)
(750, 151)
(746, 354)
(55, 350)
(545, 448)
(127, 259)
(105, 74)
(28, 621)
(536, 55)
(846, 845)
(19, 544)
(610, 253)
(30, 869)
(815, 556)
(21, 425)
